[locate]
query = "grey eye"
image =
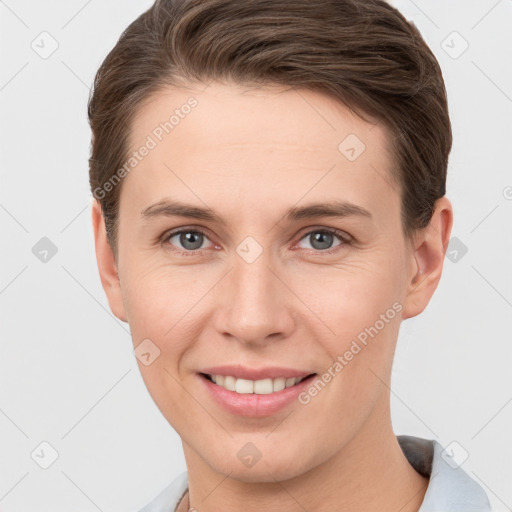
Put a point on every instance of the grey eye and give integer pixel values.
(189, 239)
(321, 240)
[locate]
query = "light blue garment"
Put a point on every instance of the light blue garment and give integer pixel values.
(450, 489)
(169, 499)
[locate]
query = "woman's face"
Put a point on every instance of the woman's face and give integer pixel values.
(257, 285)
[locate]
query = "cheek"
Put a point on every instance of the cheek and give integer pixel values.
(360, 308)
(352, 296)
(159, 310)
(155, 297)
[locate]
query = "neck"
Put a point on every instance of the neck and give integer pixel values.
(370, 473)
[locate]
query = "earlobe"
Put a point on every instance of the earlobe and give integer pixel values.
(427, 259)
(107, 266)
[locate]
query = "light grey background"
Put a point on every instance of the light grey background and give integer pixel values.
(68, 374)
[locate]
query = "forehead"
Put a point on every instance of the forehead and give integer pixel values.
(272, 142)
(229, 113)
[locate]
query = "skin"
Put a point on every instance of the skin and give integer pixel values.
(249, 155)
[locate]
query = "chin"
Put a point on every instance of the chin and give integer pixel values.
(260, 472)
(268, 465)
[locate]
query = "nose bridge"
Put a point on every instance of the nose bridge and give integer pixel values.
(256, 304)
(253, 281)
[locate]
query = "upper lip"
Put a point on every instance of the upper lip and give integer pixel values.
(242, 372)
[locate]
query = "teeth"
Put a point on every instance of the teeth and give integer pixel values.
(263, 387)
(258, 387)
(244, 386)
(229, 383)
(290, 382)
(279, 383)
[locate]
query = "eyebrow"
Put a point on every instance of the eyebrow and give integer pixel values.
(168, 208)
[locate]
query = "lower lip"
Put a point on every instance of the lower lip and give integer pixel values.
(252, 405)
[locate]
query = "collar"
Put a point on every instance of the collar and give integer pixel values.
(450, 488)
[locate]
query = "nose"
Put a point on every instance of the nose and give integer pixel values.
(256, 304)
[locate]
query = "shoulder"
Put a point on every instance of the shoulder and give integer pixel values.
(169, 498)
(450, 488)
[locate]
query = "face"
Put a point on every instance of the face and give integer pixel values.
(260, 243)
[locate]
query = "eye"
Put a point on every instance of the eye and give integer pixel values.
(322, 239)
(191, 240)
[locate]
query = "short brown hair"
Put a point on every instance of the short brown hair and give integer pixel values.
(364, 53)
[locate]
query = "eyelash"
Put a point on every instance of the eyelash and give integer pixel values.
(346, 240)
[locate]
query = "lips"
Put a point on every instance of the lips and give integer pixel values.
(254, 392)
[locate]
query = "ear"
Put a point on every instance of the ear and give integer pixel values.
(427, 258)
(106, 263)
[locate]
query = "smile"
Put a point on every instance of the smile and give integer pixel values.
(254, 392)
(258, 387)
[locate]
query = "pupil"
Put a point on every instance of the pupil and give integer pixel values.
(321, 237)
(187, 238)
